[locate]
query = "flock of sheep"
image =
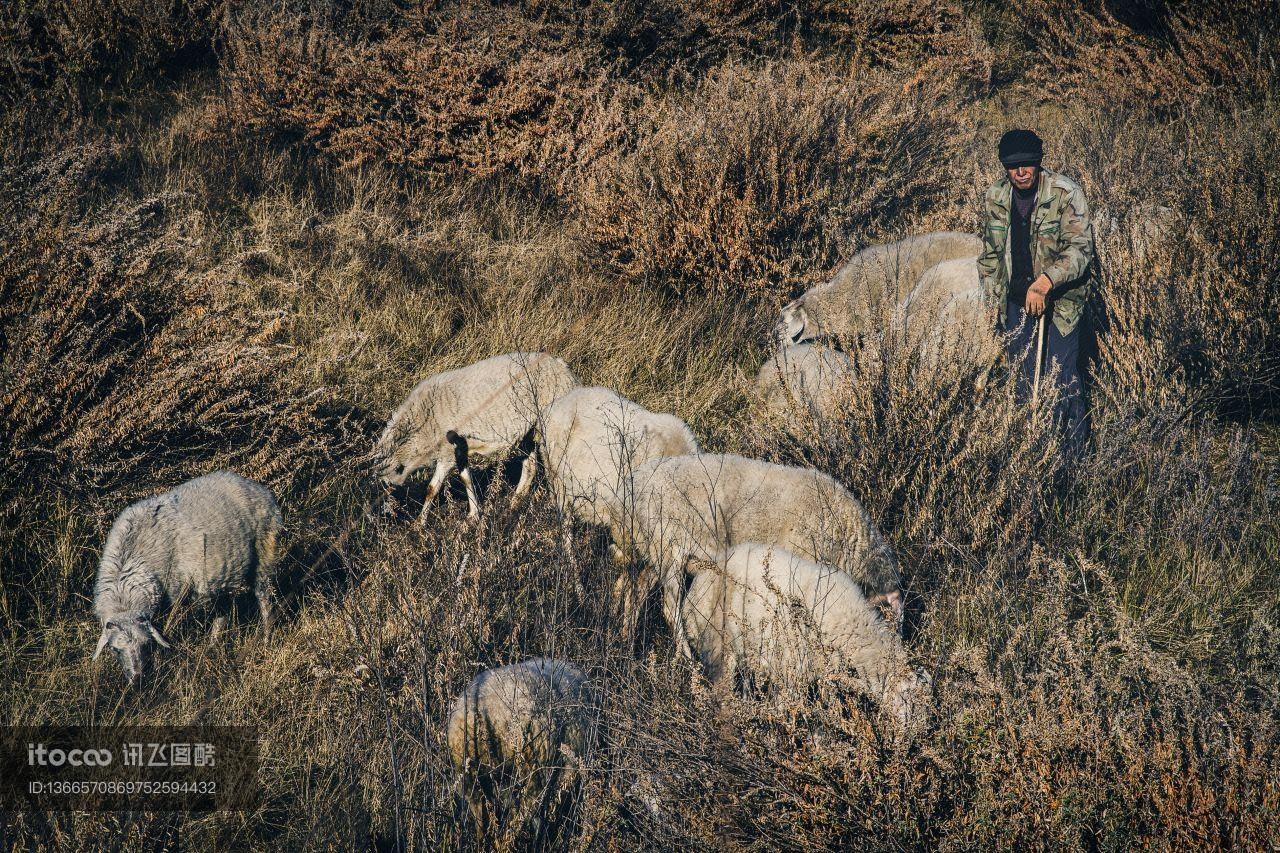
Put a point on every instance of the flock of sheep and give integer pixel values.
(768, 575)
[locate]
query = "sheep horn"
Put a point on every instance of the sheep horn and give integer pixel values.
(155, 633)
(101, 643)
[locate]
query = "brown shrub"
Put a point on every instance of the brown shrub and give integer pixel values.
(1188, 308)
(758, 180)
(467, 94)
(527, 90)
(129, 363)
(73, 50)
(1150, 53)
(898, 34)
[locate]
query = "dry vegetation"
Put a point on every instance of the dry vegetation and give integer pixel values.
(234, 235)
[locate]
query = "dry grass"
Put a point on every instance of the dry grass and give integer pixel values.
(754, 183)
(248, 265)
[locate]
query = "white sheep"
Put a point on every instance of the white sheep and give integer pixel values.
(700, 505)
(773, 616)
(592, 439)
(517, 735)
(591, 442)
(481, 411)
(947, 317)
(209, 538)
(813, 376)
(888, 271)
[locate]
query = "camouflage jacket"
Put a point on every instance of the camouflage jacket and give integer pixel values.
(1061, 246)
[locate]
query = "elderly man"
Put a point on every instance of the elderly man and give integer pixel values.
(1038, 261)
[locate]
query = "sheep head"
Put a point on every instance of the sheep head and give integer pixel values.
(883, 580)
(792, 325)
(401, 450)
(132, 637)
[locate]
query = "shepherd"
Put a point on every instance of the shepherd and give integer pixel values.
(1038, 269)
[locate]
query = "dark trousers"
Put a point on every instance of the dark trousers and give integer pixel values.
(1061, 352)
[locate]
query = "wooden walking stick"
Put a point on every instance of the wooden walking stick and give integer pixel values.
(1035, 385)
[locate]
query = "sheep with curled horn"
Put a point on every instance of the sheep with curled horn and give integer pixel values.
(766, 615)
(212, 538)
(480, 412)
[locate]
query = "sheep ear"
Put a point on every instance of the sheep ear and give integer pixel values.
(155, 634)
(102, 641)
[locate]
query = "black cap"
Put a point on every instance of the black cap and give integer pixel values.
(1021, 148)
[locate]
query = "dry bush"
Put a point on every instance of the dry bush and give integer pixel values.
(903, 35)
(756, 181)
(1197, 302)
(464, 93)
(75, 51)
(531, 91)
(1143, 54)
(128, 364)
(1179, 509)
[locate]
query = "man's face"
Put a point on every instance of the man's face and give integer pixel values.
(1023, 177)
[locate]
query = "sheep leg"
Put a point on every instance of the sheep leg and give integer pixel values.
(571, 556)
(528, 471)
(897, 604)
(632, 592)
(473, 503)
(443, 468)
(625, 605)
(219, 625)
(672, 594)
(621, 546)
(266, 611)
(263, 587)
(461, 459)
(478, 811)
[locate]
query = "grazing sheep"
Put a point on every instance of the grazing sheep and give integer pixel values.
(480, 411)
(591, 442)
(837, 307)
(701, 505)
(516, 735)
(210, 537)
(783, 620)
(593, 438)
(808, 375)
(947, 316)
